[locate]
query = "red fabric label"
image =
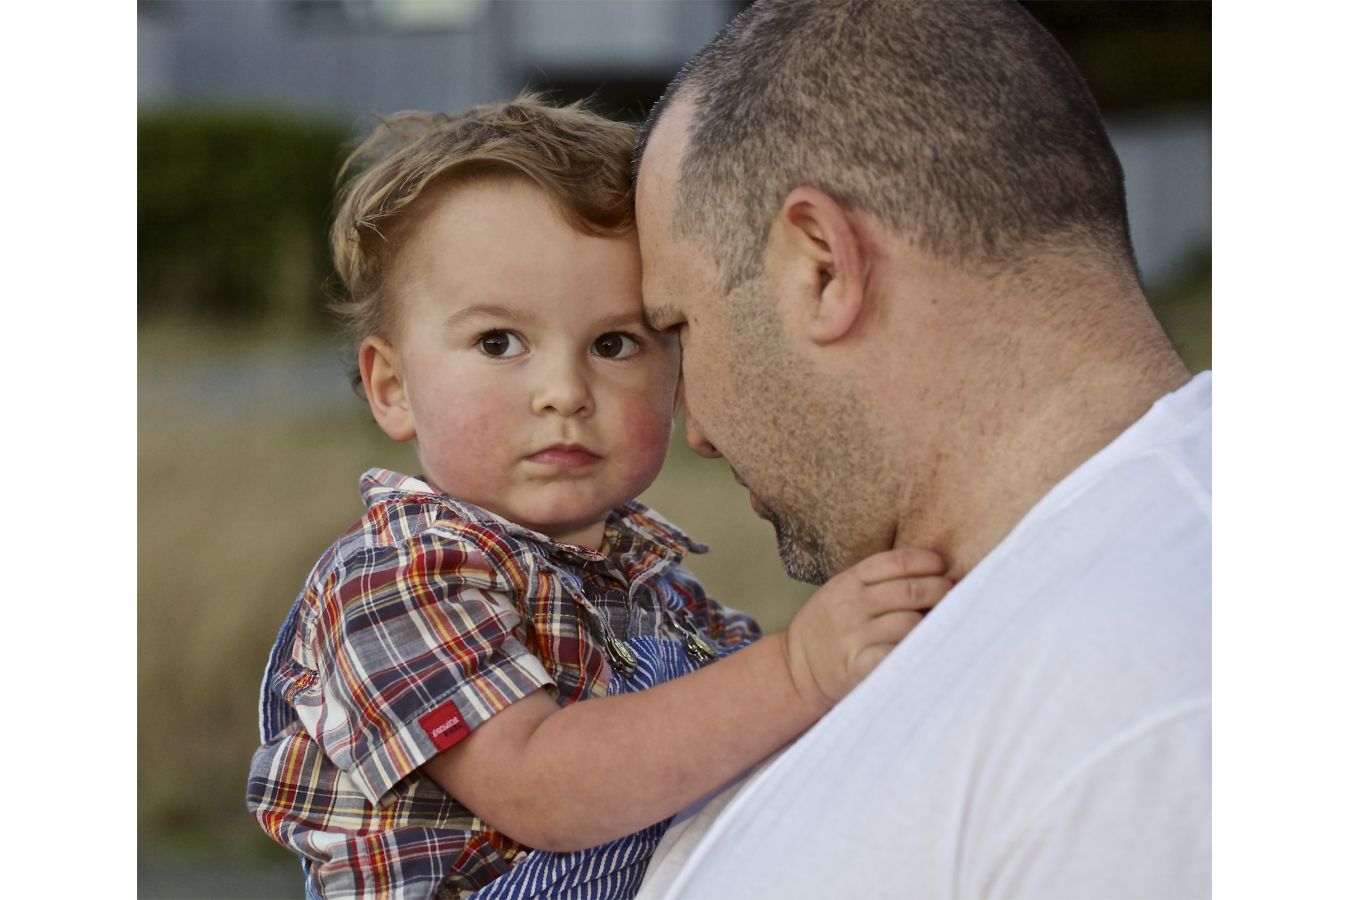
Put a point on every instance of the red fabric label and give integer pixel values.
(444, 725)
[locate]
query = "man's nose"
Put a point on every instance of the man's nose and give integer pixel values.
(563, 388)
(698, 441)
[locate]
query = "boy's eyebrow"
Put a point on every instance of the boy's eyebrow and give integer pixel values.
(487, 311)
(497, 311)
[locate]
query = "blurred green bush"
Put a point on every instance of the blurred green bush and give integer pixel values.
(233, 206)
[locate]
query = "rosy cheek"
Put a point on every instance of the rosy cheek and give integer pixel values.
(466, 441)
(479, 424)
(647, 434)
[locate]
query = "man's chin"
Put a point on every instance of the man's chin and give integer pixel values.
(802, 554)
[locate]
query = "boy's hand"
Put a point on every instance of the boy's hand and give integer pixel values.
(848, 626)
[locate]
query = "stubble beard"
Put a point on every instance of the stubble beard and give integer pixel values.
(802, 550)
(825, 457)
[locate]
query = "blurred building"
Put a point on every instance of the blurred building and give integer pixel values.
(349, 59)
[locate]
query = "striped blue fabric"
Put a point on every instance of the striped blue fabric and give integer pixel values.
(274, 713)
(614, 870)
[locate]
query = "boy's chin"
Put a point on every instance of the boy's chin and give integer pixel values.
(566, 526)
(564, 508)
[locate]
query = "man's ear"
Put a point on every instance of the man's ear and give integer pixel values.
(822, 238)
(382, 378)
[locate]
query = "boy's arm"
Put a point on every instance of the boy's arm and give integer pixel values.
(569, 778)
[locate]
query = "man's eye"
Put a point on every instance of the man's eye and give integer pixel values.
(615, 345)
(501, 344)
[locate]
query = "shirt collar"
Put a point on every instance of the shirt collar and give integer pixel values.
(628, 525)
(637, 519)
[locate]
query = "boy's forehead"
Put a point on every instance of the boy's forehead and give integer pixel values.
(537, 313)
(468, 198)
(501, 247)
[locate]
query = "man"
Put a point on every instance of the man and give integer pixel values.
(892, 239)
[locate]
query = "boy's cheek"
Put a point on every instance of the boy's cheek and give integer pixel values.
(662, 384)
(647, 431)
(465, 443)
(480, 424)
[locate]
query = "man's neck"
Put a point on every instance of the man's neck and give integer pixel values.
(1018, 452)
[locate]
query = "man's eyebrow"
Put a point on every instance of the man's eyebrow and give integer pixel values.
(487, 311)
(659, 317)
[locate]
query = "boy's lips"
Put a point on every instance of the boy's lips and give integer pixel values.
(564, 456)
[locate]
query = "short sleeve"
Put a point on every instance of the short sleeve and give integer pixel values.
(412, 647)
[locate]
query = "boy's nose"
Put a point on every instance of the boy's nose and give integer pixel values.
(563, 390)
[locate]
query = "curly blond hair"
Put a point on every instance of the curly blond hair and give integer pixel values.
(580, 159)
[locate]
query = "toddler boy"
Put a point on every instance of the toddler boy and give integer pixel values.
(421, 730)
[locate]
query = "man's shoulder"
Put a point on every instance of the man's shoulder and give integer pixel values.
(1105, 589)
(1087, 624)
(1167, 450)
(1123, 544)
(1175, 437)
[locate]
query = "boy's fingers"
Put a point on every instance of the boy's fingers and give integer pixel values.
(882, 635)
(888, 630)
(906, 594)
(902, 562)
(868, 659)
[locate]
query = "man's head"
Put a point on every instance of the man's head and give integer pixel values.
(963, 126)
(496, 295)
(807, 177)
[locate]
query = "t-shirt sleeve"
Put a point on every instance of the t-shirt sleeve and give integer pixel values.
(412, 647)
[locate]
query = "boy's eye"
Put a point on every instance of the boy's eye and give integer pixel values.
(501, 344)
(615, 345)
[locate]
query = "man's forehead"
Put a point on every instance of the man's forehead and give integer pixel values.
(674, 268)
(659, 169)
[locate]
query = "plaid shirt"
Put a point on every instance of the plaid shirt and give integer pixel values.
(422, 621)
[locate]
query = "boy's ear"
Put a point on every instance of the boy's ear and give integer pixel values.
(823, 250)
(382, 378)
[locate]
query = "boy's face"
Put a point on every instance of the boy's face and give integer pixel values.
(521, 362)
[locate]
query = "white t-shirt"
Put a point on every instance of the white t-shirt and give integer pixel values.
(1045, 732)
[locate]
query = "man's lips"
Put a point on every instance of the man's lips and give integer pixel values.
(756, 505)
(754, 501)
(564, 456)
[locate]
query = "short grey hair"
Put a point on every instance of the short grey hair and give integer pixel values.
(963, 126)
